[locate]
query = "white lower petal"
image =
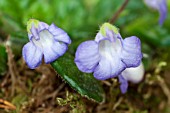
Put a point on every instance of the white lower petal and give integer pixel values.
(46, 38)
(110, 64)
(51, 53)
(110, 50)
(134, 75)
(108, 68)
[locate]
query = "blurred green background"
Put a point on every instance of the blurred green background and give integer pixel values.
(81, 20)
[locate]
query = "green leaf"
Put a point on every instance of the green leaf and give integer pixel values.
(3, 60)
(153, 35)
(84, 83)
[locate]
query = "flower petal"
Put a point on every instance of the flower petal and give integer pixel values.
(131, 52)
(134, 75)
(110, 64)
(159, 5)
(99, 37)
(42, 26)
(34, 32)
(52, 52)
(52, 49)
(108, 68)
(152, 3)
(32, 55)
(59, 34)
(87, 56)
(110, 35)
(113, 37)
(162, 11)
(30, 36)
(124, 84)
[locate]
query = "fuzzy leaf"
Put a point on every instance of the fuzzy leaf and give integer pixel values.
(84, 83)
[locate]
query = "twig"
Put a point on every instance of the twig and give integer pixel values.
(55, 93)
(107, 83)
(116, 15)
(112, 97)
(6, 105)
(11, 69)
(117, 103)
(164, 88)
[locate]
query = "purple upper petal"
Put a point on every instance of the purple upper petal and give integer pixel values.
(99, 37)
(87, 56)
(32, 55)
(42, 26)
(34, 32)
(131, 51)
(110, 35)
(59, 34)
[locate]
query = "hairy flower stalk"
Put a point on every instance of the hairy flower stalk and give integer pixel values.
(108, 55)
(46, 41)
(159, 5)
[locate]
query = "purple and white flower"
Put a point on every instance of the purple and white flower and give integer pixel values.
(48, 42)
(134, 75)
(159, 5)
(108, 55)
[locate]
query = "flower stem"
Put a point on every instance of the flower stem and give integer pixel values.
(116, 15)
